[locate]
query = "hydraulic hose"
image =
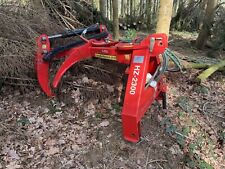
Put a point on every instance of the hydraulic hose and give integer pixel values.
(167, 55)
(76, 32)
(49, 56)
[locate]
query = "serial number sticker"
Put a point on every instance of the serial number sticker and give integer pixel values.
(108, 57)
(138, 59)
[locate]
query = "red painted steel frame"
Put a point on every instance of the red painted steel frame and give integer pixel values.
(138, 98)
(41, 66)
(141, 58)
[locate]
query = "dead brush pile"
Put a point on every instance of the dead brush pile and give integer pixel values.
(18, 30)
(20, 24)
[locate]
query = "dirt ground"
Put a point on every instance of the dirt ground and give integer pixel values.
(79, 131)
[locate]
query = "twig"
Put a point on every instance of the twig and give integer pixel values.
(219, 5)
(207, 118)
(146, 163)
(155, 161)
(16, 78)
(7, 56)
(204, 107)
(19, 84)
(183, 136)
(102, 70)
(3, 126)
(81, 87)
(111, 161)
(219, 116)
(42, 4)
(211, 113)
(13, 40)
(64, 20)
(159, 165)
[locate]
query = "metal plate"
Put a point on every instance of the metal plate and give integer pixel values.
(138, 59)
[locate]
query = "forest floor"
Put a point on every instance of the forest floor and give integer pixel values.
(84, 131)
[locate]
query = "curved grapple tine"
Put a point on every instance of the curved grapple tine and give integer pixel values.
(42, 67)
(77, 54)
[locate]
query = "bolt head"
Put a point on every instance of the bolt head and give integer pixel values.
(44, 52)
(43, 38)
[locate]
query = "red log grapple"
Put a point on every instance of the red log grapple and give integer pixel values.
(144, 61)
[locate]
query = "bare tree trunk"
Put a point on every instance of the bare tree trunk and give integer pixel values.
(205, 31)
(96, 4)
(155, 7)
(122, 8)
(119, 8)
(135, 4)
(111, 10)
(164, 16)
(128, 7)
(103, 7)
(203, 6)
(148, 13)
(115, 20)
(175, 7)
(131, 8)
(107, 7)
(141, 7)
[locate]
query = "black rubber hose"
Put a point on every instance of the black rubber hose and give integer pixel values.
(164, 102)
(92, 29)
(49, 56)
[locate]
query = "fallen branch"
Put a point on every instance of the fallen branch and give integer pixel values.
(208, 72)
(192, 65)
(202, 66)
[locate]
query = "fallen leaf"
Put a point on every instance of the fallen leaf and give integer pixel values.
(52, 151)
(104, 123)
(13, 154)
(13, 165)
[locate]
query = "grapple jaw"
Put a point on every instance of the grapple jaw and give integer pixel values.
(73, 52)
(74, 56)
(42, 67)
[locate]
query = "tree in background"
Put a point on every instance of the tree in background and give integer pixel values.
(207, 24)
(123, 7)
(128, 7)
(164, 16)
(115, 19)
(103, 5)
(203, 8)
(111, 10)
(141, 7)
(148, 13)
(96, 4)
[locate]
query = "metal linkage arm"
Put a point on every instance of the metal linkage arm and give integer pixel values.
(75, 51)
(91, 29)
(49, 56)
(139, 96)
